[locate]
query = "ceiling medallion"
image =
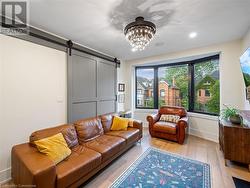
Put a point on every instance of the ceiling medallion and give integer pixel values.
(139, 33)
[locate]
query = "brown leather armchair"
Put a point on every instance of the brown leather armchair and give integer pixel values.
(170, 131)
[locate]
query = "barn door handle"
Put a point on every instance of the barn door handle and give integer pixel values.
(69, 44)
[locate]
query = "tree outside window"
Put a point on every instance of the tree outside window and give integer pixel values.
(174, 80)
(207, 85)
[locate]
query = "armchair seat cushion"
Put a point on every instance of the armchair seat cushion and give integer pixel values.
(165, 127)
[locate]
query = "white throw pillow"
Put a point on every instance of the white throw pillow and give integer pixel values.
(170, 118)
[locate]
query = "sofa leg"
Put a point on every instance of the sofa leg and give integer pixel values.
(180, 142)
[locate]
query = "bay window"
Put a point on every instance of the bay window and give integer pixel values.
(193, 85)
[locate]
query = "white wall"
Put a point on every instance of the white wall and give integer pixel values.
(246, 41)
(32, 93)
(121, 78)
(231, 80)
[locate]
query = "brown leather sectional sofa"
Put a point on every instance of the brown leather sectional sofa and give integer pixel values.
(93, 146)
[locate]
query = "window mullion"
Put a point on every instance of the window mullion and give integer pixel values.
(156, 97)
(191, 93)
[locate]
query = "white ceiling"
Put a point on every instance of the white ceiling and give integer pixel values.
(99, 24)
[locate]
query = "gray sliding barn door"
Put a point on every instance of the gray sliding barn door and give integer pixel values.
(91, 86)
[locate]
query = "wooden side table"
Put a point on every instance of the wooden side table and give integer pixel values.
(234, 142)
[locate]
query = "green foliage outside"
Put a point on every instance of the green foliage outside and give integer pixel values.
(202, 85)
(203, 69)
(149, 103)
(247, 79)
(180, 75)
(162, 102)
(213, 104)
(203, 72)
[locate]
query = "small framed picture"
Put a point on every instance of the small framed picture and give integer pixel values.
(121, 87)
(121, 98)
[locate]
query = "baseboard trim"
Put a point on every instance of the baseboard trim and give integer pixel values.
(204, 135)
(5, 181)
(5, 175)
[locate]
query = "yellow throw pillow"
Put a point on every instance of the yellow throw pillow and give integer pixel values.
(55, 147)
(119, 124)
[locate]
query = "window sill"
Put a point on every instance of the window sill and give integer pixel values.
(203, 116)
(146, 110)
(190, 114)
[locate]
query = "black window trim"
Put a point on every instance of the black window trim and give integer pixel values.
(191, 86)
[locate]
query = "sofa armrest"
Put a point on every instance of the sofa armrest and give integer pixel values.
(152, 119)
(181, 128)
(31, 168)
(139, 125)
(183, 121)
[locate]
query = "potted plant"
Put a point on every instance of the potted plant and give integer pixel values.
(231, 114)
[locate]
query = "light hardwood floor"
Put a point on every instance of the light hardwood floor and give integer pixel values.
(194, 148)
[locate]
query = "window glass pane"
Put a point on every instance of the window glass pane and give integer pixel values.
(145, 87)
(173, 86)
(207, 89)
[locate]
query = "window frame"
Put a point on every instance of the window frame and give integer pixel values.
(161, 92)
(139, 93)
(207, 93)
(155, 98)
(191, 82)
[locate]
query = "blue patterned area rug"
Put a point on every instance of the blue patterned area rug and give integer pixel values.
(156, 168)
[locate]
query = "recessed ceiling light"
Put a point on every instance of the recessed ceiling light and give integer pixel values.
(192, 35)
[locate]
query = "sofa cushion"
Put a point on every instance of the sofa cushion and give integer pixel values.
(79, 163)
(106, 120)
(69, 134)
(130, 135)
(88, 129)
(106, 145)
(165, 127)
(44, 133)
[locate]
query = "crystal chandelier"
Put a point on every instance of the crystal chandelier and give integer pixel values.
(139, 33)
